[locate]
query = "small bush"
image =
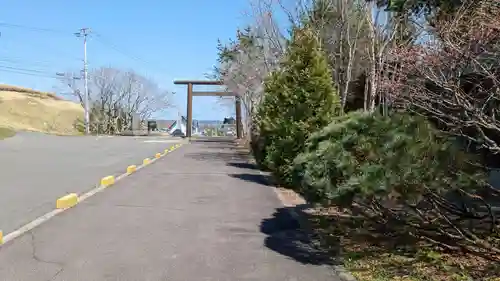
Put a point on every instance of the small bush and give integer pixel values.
(79, 125)
(360, 156)
(258, 144)
(403, 177)
(6, 133)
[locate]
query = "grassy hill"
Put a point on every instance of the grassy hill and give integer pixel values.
(29, 110)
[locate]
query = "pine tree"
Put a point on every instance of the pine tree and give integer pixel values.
(299, 99)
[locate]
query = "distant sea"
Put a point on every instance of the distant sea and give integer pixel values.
(202, 123)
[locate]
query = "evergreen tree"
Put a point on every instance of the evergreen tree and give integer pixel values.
(299, 99)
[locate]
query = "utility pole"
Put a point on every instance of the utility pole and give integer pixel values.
(84, 32)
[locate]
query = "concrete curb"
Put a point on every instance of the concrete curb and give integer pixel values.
(71, 200)
(339, 270)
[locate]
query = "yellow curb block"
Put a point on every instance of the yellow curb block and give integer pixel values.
(67, 201)
(107, 181)
(131, 169)
(72, 199)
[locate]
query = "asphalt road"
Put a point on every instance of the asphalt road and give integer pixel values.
(189, 216)
(36, 169)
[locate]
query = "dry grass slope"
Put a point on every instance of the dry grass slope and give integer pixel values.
(29, 110)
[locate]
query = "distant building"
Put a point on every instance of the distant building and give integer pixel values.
(229, 120)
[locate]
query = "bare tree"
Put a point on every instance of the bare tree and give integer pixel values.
(246, 62)
(116, 96)
(342, 26)
(453, 77)
(383, 28)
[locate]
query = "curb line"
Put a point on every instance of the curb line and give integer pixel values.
(105, 182)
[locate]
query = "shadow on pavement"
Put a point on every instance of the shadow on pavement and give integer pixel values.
(285, 236)
(284, 232)
(243, 165)
(217, 156)
(229, 140)
(255, 178)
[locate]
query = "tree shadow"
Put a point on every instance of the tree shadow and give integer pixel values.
(229, 140)
(261, 179)
(225, 147)
(286, 237)
(218, 155)
(243, 165)
(220, 151)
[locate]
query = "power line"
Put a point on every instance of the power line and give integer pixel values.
(52, 48)
(32, 28)
(43, 30)
(23, 69)
(27, 72)
(25, 63)
(99, 37)
(40, 73)
(85, 33)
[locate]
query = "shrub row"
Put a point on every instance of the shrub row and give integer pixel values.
(398, 167)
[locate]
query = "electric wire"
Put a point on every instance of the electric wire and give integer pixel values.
(38, 29)
(94, 34)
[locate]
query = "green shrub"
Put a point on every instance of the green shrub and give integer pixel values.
(299, 99)
(360, 156)
(79, 125)
(258, 144)
(6, 133)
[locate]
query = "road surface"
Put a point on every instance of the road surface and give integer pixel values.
(189, 216)
(36, 169)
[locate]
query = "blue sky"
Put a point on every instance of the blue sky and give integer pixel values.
(171, 39)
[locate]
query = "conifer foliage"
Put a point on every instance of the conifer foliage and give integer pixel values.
(299, 99)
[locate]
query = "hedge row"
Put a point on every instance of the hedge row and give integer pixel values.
(301, 136)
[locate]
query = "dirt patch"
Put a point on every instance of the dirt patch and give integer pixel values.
(377, 256)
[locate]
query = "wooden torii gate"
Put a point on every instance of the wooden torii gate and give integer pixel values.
(191, 94)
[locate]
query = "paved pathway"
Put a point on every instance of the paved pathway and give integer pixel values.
(189, 216)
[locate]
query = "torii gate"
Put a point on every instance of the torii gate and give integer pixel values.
(190, 95)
